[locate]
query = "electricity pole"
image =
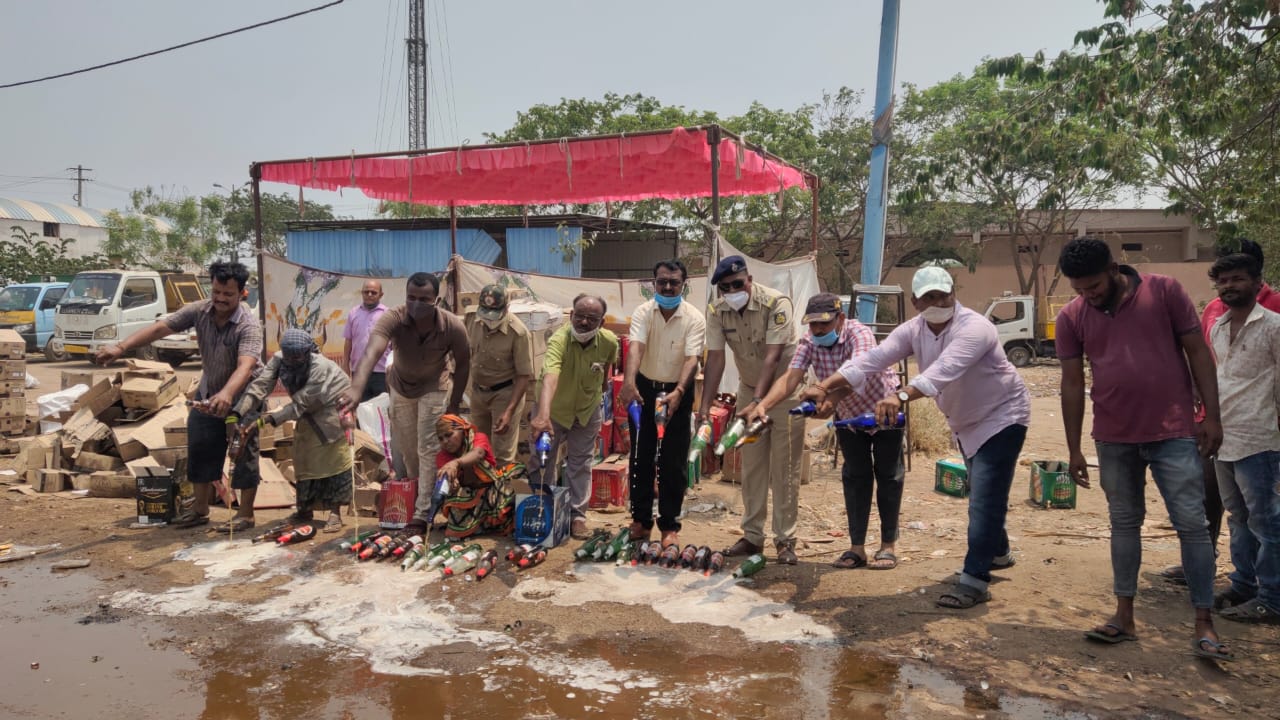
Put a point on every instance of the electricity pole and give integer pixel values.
(417, 62)
(80, 170)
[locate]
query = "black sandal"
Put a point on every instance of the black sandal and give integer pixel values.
(962, 597)
(850, 560)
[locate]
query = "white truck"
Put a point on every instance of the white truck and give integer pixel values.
(102, 307)
(1025, 327)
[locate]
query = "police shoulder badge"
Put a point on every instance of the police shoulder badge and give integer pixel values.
(780, 318)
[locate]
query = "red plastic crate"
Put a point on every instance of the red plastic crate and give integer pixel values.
(610, 484)
(621, 438)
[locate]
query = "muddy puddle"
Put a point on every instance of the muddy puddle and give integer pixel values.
(281, 633)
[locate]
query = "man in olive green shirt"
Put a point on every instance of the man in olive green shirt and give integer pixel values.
(574, 371)
(501, 370)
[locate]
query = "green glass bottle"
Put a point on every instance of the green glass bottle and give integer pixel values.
(620, 541)
(750, 566)
(589, 547)
(731, 436)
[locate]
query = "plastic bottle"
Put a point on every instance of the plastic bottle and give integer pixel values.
(486, 564)
(542, 446)
(534, 558)
(633, 413)
(621, 540)
(701, 558)
(660, 414)
(731, 436)
(753, 433)
(806, 408)
(750, 566)
(714, 564)
(687, 555)
(868, 421)
(348, 544)
(297, 535)
(701, 439)
(517, 552)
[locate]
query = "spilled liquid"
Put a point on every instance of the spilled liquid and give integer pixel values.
(283, 633)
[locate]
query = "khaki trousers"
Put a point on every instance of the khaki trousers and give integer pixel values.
(413, 435)
(772, 464)
(486, 407)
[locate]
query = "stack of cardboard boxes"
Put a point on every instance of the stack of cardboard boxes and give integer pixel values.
(13, 377)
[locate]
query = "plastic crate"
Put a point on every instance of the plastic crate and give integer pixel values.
(1051, 485)
(950, 477)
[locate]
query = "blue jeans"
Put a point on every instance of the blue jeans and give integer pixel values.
(1178, 472)
(990, 477)
(1251, 495)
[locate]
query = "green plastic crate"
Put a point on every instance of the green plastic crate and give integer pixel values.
(1051, 485)
(950, 477)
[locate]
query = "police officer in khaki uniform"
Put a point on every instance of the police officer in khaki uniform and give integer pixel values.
(501, 370)
(756, 323)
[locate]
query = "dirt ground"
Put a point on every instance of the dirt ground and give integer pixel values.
(1028, 639)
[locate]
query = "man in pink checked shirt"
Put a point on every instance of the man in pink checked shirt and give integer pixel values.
(963, 368)
(872, 460)
(360, 322)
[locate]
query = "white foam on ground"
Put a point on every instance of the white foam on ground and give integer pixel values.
(681, 596)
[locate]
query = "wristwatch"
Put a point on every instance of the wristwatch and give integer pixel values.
(903, 396)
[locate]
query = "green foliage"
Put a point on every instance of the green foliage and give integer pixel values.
(138, 241)
(237, 221)
(25, 255)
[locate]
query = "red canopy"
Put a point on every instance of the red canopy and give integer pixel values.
(669, 165)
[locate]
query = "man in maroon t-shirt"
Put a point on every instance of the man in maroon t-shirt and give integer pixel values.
(1141, 335)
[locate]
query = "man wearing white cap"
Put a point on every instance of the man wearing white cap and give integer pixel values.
(964, 369)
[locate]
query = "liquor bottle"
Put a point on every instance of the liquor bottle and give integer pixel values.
(365, 542)
(370, 549)
(653, 553)
(463, 562)
(686, 556)
(625, 555)
(731, 436)
(660, 414)
(868, 421)
(588, 548)
(633, 413)
(670, 556)
(386, 551)
(701, 558)
(406, 545)
(297, 535)
(615, 546)
(273, 533)
(448, 554)
(413, 555)
(348, 544)
(750, 566)
(534, 558)
(641, 551)
(753, 433)
(807, 408)
(486, 564)
(517, 552)
(543, 446)
(714, 564)
(700, 441)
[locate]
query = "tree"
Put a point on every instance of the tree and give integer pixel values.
(191, 237)
(25, 255)
(238, 224)
(1032, 164)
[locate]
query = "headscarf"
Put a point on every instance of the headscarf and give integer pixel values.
(448, 423)
(295, 343)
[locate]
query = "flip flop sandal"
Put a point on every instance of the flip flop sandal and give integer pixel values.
(1214, 651)
(334, 524)
(850, 560)
(884, 556)
(962, 598)
(190, 520)
(235, 525)
(1100, 635)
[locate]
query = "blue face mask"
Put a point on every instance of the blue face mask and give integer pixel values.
(827, 339)
(667, 303)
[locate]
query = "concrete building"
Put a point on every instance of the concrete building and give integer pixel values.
(86, 227)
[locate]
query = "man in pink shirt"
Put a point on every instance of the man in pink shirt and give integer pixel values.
(964, 369)
(360, 322)
(1141, 334)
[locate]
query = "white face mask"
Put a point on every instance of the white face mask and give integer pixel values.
(583, 337)
(737, 300)
(938, 315)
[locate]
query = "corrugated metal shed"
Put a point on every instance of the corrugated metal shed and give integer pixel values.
(37, 211)
(539, 250)
(386, 253)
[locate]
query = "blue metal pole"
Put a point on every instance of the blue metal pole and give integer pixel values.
(878, 188)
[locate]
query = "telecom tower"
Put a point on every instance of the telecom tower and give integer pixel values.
(417, 62)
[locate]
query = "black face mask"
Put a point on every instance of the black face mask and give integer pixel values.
(420, 309)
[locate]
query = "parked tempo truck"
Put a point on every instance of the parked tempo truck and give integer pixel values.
(1026, 328)
(28, 309)
(102, 307)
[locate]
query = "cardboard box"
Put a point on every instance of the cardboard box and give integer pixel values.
(283, 450)
(542, 518)
(91, 462)
(610, 483)
(13, 425)
(366, 501)
(134, 440)
(13, 407)
(169, 456)
(88, 377)
(82, 432)
(148, 393)
(12, 345)
(102, 394)
(13, 370)
(13, 388)
(621, 438)
(175, 433)
(108, 484)
(51, 481)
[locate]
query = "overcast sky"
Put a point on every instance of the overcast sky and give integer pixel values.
(332, 81)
